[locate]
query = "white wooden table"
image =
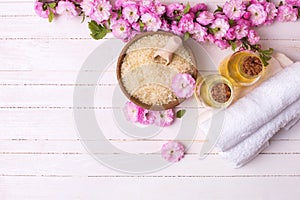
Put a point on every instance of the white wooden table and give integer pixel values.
(41, 156)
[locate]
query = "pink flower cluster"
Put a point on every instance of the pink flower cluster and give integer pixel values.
(140, 115)
(232, 24)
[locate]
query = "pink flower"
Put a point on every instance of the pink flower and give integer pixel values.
(101, 11)
(165, 25)
(241, 31)
(120, 29)
(271, 12)
(186, 23)
(293, 2)
(258, 14)
(234, 9)
(230, 35)
(87, 7)
(172, 151)
(198, 7)
(287, 13)
(66, 8)
(205, 18)
(147, 117)
(220, 27)
(199, 32)
(210, 38)
(247, 15)
(132, 111)
(183, 85)
(174, 28)
(160, 9)
(253, 38)
(175, 9)
(164, 118)
(151, 21)
(131, 13)
(222, 44)
(38, 8)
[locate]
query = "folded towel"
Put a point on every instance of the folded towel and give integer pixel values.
(291, 124)
(254, 110)
(255, 143)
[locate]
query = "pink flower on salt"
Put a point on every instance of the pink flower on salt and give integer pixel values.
(183, 85)
(67, 9)
(132, 112)
(38, 8)
(164, 118)
(172, 151)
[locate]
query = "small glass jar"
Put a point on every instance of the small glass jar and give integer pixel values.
(214, 91)
(242, 68)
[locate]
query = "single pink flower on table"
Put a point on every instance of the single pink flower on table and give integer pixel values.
(172, 151)
(120, 29)
(234, 9)
(271, 12)
(199, 33)
(183, 85)
(151, 21)
(258, 14)
(87, 7)
(132, 112)
(220, 27)
(164, 118)
(147, 117)
(38, 8)
(102, 11)
(175, 9)
(253, 37)
(67, 9)
(205, 18)
(287, 13)
(186, 23)
(131, 13)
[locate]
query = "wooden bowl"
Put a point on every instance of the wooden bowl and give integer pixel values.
(136, 101)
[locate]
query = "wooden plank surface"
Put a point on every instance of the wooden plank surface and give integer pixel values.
(41, 153)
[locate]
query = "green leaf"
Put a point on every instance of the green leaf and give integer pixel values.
(219, 9)
(233, 45)
(97, 31)
(180, 113)
(178, 18)
(187, 8)
(142, 25)
(231, 22)
(52, 5)
(186, 36)
(51, 15)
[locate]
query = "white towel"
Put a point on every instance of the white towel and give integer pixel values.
(254, 110)
(249, 148)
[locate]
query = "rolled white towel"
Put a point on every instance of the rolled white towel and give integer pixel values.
(249, 148)
(261, 105)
